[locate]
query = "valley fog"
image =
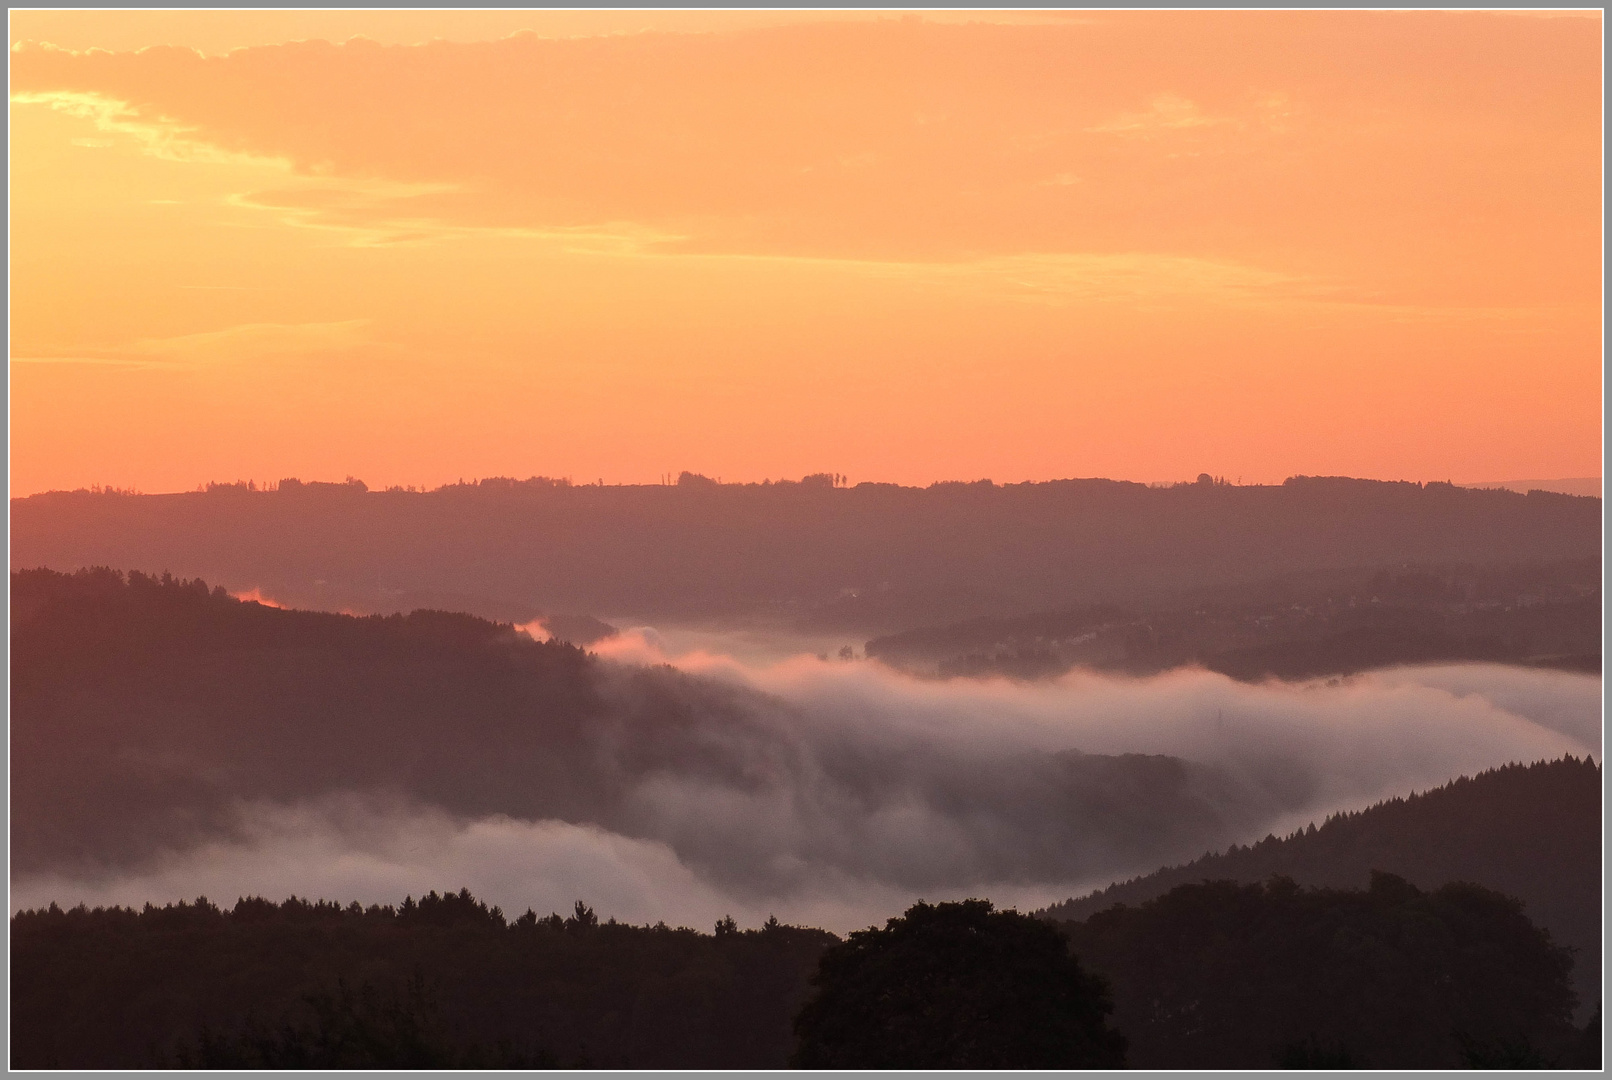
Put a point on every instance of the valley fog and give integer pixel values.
(833, 793)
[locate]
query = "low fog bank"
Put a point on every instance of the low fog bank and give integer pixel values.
(969, 791)
(833, 793)
(1565, 703)
(1365, 735)
(376, 853)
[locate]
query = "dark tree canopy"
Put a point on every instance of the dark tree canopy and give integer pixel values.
(441, 981)
(956, 985)
(1227, 976)
(1529, 831)
(344, 1028)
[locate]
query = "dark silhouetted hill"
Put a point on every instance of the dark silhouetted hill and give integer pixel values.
(143, 709)
(1209, 975)
(1222, 975)
(874, 558)
(443, 982)
(1533, 832)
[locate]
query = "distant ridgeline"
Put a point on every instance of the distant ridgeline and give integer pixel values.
(1301, 625)
(871, 558)
(1533, 832)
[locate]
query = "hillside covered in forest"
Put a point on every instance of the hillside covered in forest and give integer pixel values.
(1296, 626)
(1530, 831)
(873, 558)
(1216, 975)
(1221, 975)
(442, 982)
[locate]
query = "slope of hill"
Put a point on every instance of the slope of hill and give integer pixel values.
(1227, 976)
(873, 558)
(1567, 485)
(1298, 626)
(152, 716)
(1533, 832)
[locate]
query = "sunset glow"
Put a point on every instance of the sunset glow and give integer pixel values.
(904, 248)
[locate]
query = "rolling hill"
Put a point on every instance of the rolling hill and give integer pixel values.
(1530, 831)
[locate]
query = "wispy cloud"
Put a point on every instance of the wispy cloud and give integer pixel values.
(900, 141)
(364, 211)
(377, 213)
(256, 340)
(1166, 113)
(96, 361)
(158, 135)
(1072, 278)
(232, 344)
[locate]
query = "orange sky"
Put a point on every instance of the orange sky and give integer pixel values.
(617, 244)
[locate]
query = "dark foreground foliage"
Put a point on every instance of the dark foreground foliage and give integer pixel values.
(1215, 975)
(1529, 831)
(1229, 976)
(343, 1028)
(956, 986)
(442, 982)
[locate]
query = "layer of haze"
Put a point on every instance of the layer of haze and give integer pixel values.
(964, 793)
(1137, 245)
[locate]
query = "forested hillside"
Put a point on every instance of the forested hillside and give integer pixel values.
(1217, 975)
(874, 558)
(1294, 626)
(1533, 832)
(439, 982)
(1226, 976)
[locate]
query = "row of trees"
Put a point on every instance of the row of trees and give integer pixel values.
(444, 980)
(1213, 975)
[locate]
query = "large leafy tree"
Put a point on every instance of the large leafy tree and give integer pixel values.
(956, 985)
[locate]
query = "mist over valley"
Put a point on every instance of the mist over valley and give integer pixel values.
(171, 737)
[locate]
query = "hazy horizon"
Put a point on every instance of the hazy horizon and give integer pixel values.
(1567, 485)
